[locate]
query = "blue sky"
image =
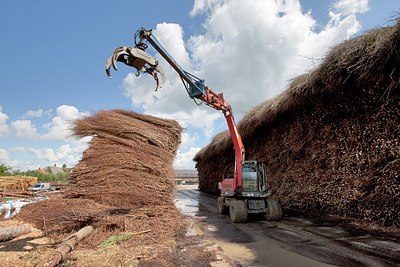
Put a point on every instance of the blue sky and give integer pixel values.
(53, 55)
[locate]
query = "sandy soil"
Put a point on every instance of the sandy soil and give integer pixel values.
(25, 250)
(29, 249)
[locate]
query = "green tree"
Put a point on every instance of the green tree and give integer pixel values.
(5, 170)
(46, 177)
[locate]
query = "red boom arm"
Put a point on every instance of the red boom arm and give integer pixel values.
(196, 89)
(218, 102)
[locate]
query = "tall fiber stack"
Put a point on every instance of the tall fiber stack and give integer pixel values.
(129, 161)
(331, 141)
(124, 181)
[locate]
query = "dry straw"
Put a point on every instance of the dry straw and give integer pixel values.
(123, 182)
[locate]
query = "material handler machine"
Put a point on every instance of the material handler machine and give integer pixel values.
(247, 192)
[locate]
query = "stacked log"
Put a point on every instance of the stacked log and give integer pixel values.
(18, 182)
(331, 141)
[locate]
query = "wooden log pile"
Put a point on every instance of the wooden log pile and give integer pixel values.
(16, 193)
(17, 182)
(331, 141)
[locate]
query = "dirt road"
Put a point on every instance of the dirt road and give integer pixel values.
(289, 242)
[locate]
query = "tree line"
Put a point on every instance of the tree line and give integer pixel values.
(42, 177)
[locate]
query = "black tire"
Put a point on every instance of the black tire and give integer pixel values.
(274, 210)
(222, 209)
(238, 211)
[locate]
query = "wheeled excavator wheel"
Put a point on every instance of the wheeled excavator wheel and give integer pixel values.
(274, 210)
(238, 211)
(222, 209)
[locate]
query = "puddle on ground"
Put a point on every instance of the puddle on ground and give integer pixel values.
(220, 229)
(328, 232)
(290, 242)
(376, 246)
(286, 236)
(326, 254)
(236, 251)
(194, 230)
(187, 206)
(297, 221)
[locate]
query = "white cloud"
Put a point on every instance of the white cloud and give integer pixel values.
(188, 140)
(48, 112)
(172, 100)
(63, 148)
(343, 21)
(37, 113)
(24, 129)
(47, 154)
(58, 129)
(3, 123)
(186, 151)
(202, 6)
(249, 52)
(198, 118)
(184, 160)
(141, 90)
(68, 154)
(6, 159)
(3, 155)
(171, 36)
(351, 7)
(33, 113)
(60, 126)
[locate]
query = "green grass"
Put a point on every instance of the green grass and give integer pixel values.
(115, 239)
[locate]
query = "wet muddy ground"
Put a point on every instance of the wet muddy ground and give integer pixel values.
(292, 241)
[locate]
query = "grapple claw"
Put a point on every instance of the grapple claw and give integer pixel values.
(137, 58)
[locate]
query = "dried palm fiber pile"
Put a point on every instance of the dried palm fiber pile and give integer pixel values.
(331, 141)
(129, 160)
(123, 181)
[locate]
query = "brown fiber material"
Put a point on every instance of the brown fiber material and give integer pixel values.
(123, 182)
(331, 140)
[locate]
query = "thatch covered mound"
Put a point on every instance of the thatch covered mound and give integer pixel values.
(331, 140)
(124, 180)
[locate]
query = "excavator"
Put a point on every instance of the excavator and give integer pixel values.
(248, 191)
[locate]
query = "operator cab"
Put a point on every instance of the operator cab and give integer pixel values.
(254, 182)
